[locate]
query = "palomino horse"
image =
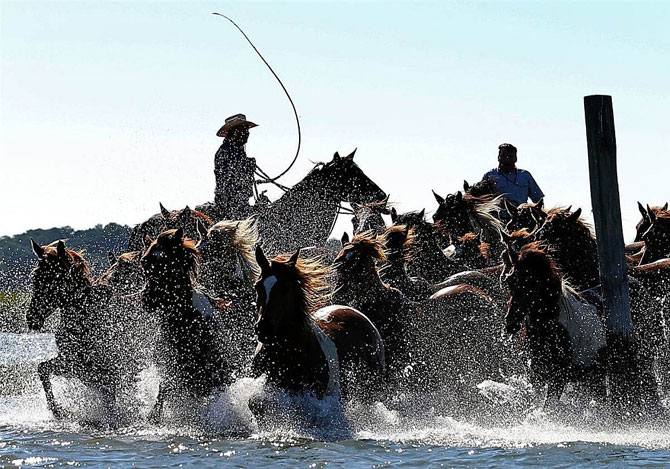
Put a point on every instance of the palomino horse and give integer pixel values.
(167, 220)
(190, 357)
(91, 346)
(306, 347)
(304, 215)
(359, 286)
(228, 271)
(565, 337)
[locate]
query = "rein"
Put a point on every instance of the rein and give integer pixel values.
(269, 179)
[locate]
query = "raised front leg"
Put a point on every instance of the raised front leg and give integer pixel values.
(44, 371)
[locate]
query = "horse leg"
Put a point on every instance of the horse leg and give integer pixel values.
(554, 392)
(44, 371)
(156, 414)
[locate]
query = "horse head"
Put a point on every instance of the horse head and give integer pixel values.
(644, 224)
(529, 216)
(349, 182)
(125, 275)
(60, 274)
(288, 290)
(357, 262)
(171, 258)
(369, 216)
(657, 237)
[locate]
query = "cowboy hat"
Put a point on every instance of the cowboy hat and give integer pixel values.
(233, 121)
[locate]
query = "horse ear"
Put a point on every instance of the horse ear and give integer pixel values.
(187, 210)
(540, 204)
(422, 214)
(350, 156)
(345, 238)
(60, 249)
(164, 212)
(459, 196)
(642, 210)
(293, 260)
(147, 240)
(336, 156)
(394, 214)
(440, 200)
(261, 260)
(111, 258)
(651, 214)
(665, 207)
(178, 234)
(568, 209)
(575, 216)
(466, 186)
(37, 249)
(388, 196)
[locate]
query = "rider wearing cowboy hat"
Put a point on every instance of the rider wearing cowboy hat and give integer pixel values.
(233, 170)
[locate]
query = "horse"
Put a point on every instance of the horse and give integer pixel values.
(190, 358)
(398, 243)
(573, 246)
(470, 251)
(565, 336)
(644, 224)
(91, 345)
(427, 261)
(167, 220)
(124, 275)
(305, 214)
(368, 217)
(527, 216)
(305, 346)
(657, 237)
(484, 187)
(460, 214)
(228, 271)
(358, 285)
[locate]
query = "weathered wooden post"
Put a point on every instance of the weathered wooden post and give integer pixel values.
(625, 374)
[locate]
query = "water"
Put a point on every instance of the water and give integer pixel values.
(510, 431)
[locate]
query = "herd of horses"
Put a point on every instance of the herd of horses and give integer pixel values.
(486, 290)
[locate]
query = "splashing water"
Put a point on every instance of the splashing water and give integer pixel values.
(301, 430)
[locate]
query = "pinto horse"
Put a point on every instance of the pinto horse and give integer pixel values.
(190, 357)
(565, 336)
(91, 345)
(304, 346)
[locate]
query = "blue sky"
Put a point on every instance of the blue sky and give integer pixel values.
(108, 108)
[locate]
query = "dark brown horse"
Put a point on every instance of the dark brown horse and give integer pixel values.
(644, 224)
(527, 216)
(459, 214)
(167, 220)
(190, 357)
(359, 286)
(657, 237)
(573, 247)
(304, 215)
(304, 346)
(124, 275)
(398, 241)
(92, 346)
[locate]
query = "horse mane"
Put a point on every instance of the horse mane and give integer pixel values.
(76, 257)
(312, 277)
(243, 235)
(481, 247)
(535, 255)
(482, 209)
(381, 207)
(197, 213)
(398, 237)
(368, 245)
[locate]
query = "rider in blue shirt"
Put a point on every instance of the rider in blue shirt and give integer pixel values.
(515, 184)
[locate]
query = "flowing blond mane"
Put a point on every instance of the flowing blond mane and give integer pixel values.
(242, 235)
